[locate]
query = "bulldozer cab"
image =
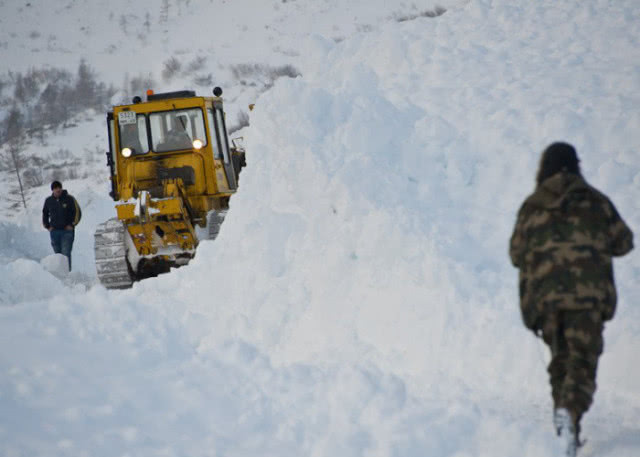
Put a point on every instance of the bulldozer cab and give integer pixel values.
(166, 130)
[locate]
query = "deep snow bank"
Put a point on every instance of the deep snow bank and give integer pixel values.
(359, 300)
(374, 219)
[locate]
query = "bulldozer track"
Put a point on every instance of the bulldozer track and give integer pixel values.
(111, 255)
(214, 221)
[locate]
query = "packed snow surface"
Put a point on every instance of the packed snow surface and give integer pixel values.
(359, 300)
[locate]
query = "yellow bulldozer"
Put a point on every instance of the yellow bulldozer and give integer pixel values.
(172, 171)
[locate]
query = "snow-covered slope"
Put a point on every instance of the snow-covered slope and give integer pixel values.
(359, 300)
(209, 39)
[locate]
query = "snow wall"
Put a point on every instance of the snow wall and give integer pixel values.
(359, 300)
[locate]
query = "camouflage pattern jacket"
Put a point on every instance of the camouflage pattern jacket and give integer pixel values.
(563, 242)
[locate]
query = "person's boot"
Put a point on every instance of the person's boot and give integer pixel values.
(567, 430)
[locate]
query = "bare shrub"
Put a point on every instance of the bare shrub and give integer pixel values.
(33, 177)
(147, 22)
(61, 165)
(164, 11)
(71, 173)
(58, 75)
(171, 68)
(139, 84)
(283, 71)
(437, 11)
(123, 23)
(196, 64)
(203, 80)
(86, 87)
(61, 154)
(244, 70)
(13, 158)
(93, 155)
(242, 121)
(249, 74)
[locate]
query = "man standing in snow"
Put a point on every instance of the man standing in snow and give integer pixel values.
(565, 237)
(60, 215)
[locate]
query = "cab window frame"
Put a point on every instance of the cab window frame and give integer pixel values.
(121, 146)
(222, 129)
(150, 129)
(213, 127)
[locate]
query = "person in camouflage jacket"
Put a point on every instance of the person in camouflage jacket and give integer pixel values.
(565, 237)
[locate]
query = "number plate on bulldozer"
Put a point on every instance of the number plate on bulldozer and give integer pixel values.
(127, 117)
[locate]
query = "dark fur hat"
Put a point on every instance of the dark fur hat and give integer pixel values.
(556, 158)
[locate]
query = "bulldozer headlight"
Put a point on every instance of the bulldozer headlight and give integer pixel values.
(197, 144)
(126, 152)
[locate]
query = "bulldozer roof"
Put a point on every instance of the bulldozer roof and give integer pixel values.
(168, 95)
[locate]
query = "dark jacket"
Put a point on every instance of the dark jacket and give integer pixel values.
(566, 234)
(60, 212)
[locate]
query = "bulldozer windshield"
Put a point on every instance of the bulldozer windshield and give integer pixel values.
(177, 130)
